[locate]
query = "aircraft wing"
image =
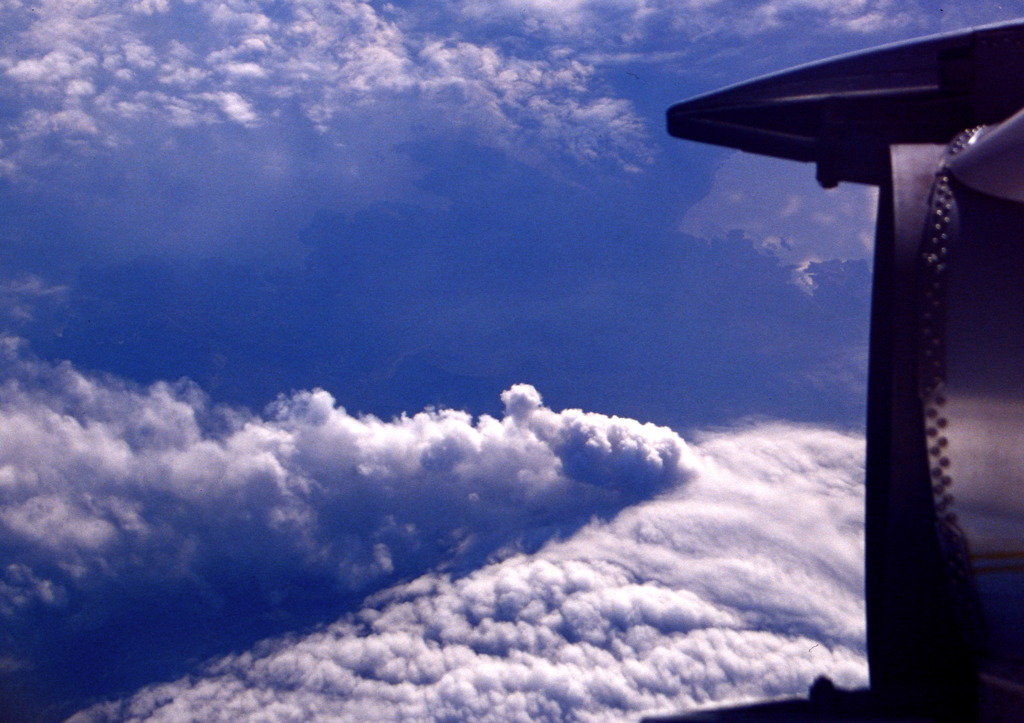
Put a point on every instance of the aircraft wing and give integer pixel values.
(843, 114)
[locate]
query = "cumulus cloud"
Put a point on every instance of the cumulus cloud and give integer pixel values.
(92, 76)
(743, 584)
(111, 493)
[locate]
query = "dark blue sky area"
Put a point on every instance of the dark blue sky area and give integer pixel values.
(521, 278)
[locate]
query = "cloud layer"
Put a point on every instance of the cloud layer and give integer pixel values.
(143, 528)
(88, 77)
(743, 584)
(636, 20)
(123, 508)
(91, 77)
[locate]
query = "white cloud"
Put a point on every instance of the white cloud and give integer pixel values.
(110, 70)
(858, 16)
(780, 206)
(736, 573)
(103, 484)
(233, 106)
(21, 297)
(638, 20)
(744, 584)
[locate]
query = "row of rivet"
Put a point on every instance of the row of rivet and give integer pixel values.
(932, 382)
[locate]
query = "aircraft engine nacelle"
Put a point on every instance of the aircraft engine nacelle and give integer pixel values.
(938, 125)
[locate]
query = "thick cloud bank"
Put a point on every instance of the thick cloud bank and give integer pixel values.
(563, 565)
(122, 508)
(742, 584)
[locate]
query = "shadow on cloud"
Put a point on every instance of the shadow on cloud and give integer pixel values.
(143, 528)
(745, 583)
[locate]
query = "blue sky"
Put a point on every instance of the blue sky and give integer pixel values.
(401, 338)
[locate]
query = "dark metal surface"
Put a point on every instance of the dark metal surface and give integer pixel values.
(844, 113)
(977, 394)
(917, 657)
